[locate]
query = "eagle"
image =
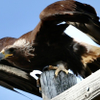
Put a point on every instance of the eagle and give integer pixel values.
(48, 44)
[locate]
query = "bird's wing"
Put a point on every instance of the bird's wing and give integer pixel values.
(82, 16)
(90, 55)
(11, 78)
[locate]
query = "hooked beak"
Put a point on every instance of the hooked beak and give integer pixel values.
(4, 55)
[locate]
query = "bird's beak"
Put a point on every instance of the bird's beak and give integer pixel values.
(4, 55)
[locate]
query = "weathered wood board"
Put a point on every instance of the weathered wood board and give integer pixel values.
(88, 89)
(53, 86)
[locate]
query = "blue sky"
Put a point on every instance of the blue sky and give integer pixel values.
(20, 16)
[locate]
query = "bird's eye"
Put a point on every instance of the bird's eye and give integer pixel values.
(11, 49)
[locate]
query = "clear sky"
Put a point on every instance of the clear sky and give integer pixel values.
(20, 16)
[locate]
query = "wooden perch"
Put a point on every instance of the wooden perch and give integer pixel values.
(88, 89)
(53, 86)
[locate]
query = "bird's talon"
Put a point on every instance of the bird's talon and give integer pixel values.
(58, 68)
(52, 67)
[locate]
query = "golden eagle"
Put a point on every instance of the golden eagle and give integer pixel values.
(47, 44)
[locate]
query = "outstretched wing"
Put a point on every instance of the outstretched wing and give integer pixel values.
(82, 16)
(90, 56)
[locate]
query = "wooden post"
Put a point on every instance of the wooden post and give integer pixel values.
(87, 89)
(52, 86)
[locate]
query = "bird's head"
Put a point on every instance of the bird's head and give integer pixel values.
(7, 52)
(19, 54)
(16, 52)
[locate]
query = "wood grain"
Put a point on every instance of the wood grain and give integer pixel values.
(88, 89)
(53, 86)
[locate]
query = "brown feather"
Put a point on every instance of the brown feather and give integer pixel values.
(48, 44)
(6, 41)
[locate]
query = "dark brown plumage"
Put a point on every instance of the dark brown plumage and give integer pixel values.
(82, 16)
(47, 44)
(6, 41)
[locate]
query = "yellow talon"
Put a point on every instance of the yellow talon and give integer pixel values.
(58, 68)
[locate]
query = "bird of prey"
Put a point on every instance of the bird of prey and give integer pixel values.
(47, 44)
